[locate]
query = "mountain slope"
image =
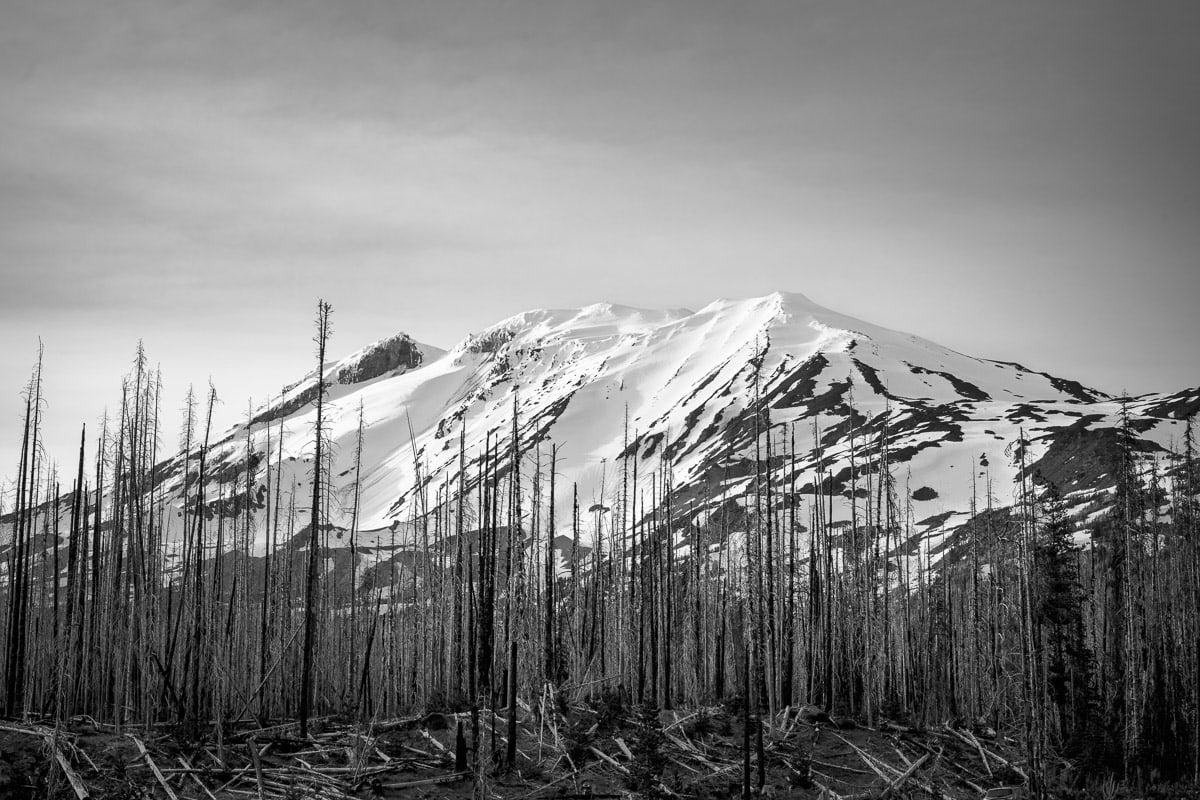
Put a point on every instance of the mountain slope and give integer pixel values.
(691, 385)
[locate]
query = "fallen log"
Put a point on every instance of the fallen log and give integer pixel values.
(900, 779)
(609, 759)
(451, 778)
(80, 790)
(153, 767)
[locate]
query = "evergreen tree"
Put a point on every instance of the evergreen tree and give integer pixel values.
(645, 774)
(1058, 620)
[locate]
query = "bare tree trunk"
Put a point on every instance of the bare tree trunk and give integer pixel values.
(311, 584)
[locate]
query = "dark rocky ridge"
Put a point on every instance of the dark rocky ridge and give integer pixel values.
(396, 353)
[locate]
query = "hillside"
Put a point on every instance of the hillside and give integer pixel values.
(679, 391)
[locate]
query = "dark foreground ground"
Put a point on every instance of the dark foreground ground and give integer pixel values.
(597, 750)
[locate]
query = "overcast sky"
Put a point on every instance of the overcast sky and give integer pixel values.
(1016, 180)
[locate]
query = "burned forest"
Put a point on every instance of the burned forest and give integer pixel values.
(182, 624)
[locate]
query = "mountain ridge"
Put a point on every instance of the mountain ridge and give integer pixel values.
(692, 384)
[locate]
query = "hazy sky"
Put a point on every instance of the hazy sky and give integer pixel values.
(1016, 180)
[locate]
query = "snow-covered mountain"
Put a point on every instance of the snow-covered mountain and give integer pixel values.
(687, 390)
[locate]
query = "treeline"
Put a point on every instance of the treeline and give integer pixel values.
(503, 587)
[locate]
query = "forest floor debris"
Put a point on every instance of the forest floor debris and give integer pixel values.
(578, 750)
